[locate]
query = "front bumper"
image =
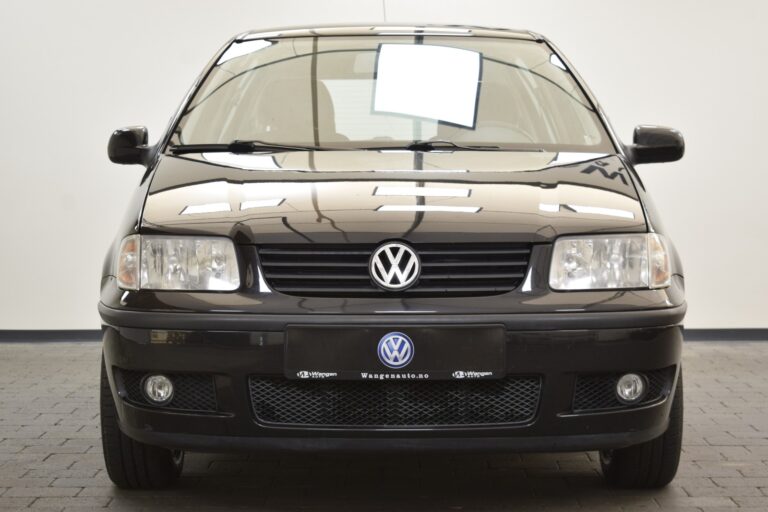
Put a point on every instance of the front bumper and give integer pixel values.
(557, 347)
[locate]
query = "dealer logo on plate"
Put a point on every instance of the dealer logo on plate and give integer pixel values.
(395, 350)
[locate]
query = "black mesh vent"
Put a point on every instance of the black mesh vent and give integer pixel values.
(192, 392)
(342, 270)
(598, 392)
(395, 404)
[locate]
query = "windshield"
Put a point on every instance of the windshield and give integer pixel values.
(389, 91)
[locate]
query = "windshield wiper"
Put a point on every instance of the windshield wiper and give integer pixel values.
(242, 146)
(432, 145)
(253, 146)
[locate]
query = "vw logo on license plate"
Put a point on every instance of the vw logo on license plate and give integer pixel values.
(395, 350)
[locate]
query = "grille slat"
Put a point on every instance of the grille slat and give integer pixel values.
(481, 264)
(312, 264)
(268, 250)
(285, 275)
(279, 401)
(477, 252)
(492, 275)
(342, 270)
(317, 290)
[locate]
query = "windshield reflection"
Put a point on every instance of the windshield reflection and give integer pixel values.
(351, 92)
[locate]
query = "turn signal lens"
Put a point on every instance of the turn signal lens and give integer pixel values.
(658, 259)
(128, 263)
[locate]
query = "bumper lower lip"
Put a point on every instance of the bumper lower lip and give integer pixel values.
(224, 443)
(273, 322)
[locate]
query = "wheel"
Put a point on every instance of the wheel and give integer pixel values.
(131, 464)
(652, 464)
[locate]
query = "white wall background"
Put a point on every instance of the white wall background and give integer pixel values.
(72, 71)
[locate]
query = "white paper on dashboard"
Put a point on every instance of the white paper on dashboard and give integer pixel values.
(433, 82)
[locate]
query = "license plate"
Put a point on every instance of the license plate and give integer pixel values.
(404, 353)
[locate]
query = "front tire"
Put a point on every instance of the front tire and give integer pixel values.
(131, 464)
(652, 464)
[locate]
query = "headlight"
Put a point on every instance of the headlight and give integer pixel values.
(177, 263)
(609, 262)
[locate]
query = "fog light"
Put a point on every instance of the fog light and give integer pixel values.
(158, 389)
(630, 388)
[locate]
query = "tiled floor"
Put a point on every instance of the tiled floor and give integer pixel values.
(50, 453)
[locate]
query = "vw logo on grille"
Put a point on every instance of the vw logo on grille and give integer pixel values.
(394, 266)
(395, 350)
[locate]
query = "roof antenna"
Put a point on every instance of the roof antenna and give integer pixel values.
(384, 8)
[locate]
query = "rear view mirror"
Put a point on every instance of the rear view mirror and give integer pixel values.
(654, 144)
(128, 145)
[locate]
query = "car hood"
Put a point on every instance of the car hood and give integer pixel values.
(369, 196)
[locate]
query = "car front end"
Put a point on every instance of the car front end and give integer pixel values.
(319, 292)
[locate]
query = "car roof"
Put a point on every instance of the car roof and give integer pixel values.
(389, 29)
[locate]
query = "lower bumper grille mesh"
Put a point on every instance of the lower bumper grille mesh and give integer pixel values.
(395, 404)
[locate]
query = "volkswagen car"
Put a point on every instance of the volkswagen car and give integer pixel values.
(391, 238)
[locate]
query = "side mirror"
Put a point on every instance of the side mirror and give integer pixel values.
(654, 144)
(128, 145)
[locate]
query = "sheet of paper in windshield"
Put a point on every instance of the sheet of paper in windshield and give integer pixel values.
(433, 82)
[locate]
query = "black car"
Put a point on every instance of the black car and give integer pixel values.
(391, 238)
